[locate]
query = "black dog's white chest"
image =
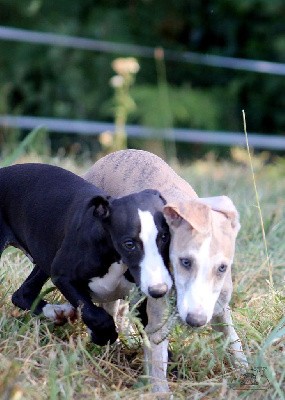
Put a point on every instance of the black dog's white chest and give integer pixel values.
(112, 286)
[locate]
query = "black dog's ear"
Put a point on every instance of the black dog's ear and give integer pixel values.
(101, 206)
(157, 193)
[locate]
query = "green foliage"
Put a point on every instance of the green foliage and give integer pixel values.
(61, 82)
(188, 106)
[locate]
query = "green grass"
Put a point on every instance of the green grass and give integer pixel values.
(41, 361)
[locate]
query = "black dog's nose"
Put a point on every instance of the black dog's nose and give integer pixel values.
(196, 320)
(158, 290)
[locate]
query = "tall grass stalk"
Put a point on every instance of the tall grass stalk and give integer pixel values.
(23, 146)
(269, 265)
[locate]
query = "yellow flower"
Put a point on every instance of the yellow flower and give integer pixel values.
(106, 138)
(117, 81)
(124, 66)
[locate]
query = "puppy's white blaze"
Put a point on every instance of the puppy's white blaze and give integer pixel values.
(198, 296)
(195, 304)
(153, 269)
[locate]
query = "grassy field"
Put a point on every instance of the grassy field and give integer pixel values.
(41, 361)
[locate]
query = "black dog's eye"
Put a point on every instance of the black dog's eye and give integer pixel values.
(165, 237)
(222, 268)
(186, 262)
(129, 245)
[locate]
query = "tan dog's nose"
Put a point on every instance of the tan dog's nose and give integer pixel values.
(196, 320)
(158, 290)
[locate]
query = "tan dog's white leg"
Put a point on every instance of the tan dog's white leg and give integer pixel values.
(156, 354)
(224, 323)
(119, 310)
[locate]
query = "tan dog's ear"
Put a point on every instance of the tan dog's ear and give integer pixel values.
(193, 212)
(224, 205)
(172, 216)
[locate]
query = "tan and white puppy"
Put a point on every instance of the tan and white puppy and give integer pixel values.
(203, 234)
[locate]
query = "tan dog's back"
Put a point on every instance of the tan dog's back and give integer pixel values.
(209, 224)
(135, 170)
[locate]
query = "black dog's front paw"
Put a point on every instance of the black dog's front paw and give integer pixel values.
(102, 338)
(104, 332)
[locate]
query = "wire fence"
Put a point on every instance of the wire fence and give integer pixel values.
(181, 135)
(52, 39)
(91, 128)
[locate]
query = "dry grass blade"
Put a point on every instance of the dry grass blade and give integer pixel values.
(258, 202)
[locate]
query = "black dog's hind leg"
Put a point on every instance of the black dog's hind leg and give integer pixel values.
(25, 297)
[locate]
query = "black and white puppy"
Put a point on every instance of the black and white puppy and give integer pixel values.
(76, 235)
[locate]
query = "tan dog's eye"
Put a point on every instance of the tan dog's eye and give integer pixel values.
(222, 268)
(186, 262)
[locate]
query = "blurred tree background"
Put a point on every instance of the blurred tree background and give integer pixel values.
(61, 82)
